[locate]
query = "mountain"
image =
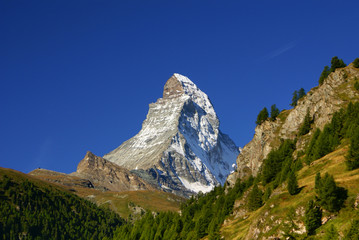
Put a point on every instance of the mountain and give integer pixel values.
(180, 147)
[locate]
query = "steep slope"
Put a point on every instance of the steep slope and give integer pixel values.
(285, 214)
(282, 215)
(321, 102)
(180, 146)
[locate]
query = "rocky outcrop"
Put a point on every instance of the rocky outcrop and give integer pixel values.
(321, 102)
(180, 146)
(108, 175)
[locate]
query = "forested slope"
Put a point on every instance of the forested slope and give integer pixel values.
(31, 209)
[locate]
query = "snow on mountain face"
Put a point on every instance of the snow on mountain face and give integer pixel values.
(180, 146)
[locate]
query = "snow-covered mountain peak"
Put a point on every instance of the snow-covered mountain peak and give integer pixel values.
(180, 144)
(179, 85)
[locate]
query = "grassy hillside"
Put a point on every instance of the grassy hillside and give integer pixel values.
(276, 214)
(32, 209)
(133, 204)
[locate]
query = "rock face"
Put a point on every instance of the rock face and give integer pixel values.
(321, 102)
(180, 146)
(108, 175)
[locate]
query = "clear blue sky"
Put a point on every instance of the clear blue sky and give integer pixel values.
(79, 75)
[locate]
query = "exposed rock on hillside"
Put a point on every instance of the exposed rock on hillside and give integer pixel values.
(108, 175)
(321, 102)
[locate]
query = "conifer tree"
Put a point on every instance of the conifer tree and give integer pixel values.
(329, 195)
(311, 147)
(255, 198)
(318, 181)
(274, 112)
(313, 217)
(323, 145)
(356, 63)
(305, 127)
(301, 93)
(213, 230)
(352, 158)
(336, 63)
(267, 193)
(324, 75)
(262, 116)
(292, 185)
(294, 99)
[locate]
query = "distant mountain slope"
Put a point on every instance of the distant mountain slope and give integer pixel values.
(180, 146)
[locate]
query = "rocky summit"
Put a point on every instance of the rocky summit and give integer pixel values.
(180, 147)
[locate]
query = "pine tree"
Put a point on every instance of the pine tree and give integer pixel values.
(294, 99)
(329, 195)
(352, 158)
(274, 112)
(323, 145)
(267, 193)
(356, 63)
(337, 63)
(262, 116)
(255, 198)
(311, 147)
(313, 217)
(305, 127)
(324, 75)
(292, 185)
(213, 230)
(301, 93)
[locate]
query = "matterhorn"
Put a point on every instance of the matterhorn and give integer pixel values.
(180, 148)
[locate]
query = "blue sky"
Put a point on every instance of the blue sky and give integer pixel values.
(79, 75)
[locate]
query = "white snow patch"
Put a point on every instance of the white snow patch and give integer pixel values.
(196, 186)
